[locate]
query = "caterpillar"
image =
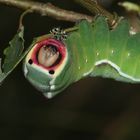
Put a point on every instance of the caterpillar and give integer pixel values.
(94, 49)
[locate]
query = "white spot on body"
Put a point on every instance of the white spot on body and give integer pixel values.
(86, 60)
(79, 68)
(25, 70)
(52, 87)
(97, 53)
(52, 82)
(48, 95)
(112, 51)
(132, 31)
(128, 54)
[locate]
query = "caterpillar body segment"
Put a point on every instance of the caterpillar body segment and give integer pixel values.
(114, 51)
(94, 49)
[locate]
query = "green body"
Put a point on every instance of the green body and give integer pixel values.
(94, 50)
(98, 51)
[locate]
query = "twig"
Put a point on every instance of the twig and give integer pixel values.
(95, 8)
(47, 9)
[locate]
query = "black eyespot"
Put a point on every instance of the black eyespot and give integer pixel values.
(51, 72)
(30, 61)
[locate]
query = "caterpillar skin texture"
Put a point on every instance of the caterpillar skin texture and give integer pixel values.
(92, 50)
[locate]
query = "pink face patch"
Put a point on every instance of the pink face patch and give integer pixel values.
(48, 43)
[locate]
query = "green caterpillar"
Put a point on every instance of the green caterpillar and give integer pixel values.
(92, 50)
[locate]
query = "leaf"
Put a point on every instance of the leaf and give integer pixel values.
(2, 75)
(0, 66)
(13, 54)
(14, 51)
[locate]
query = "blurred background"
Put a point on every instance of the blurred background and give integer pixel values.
(91, 109)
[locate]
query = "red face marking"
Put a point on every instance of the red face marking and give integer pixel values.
(49, 42)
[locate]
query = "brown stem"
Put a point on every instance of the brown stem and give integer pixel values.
(94, 7)
(48, 9)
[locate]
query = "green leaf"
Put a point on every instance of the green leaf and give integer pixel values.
(13, 54)
(2, 75)
(0, 66)
(14, 51)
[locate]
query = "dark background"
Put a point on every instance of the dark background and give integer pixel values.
(93, 108)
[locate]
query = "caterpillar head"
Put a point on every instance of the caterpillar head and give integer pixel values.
(45, 66)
